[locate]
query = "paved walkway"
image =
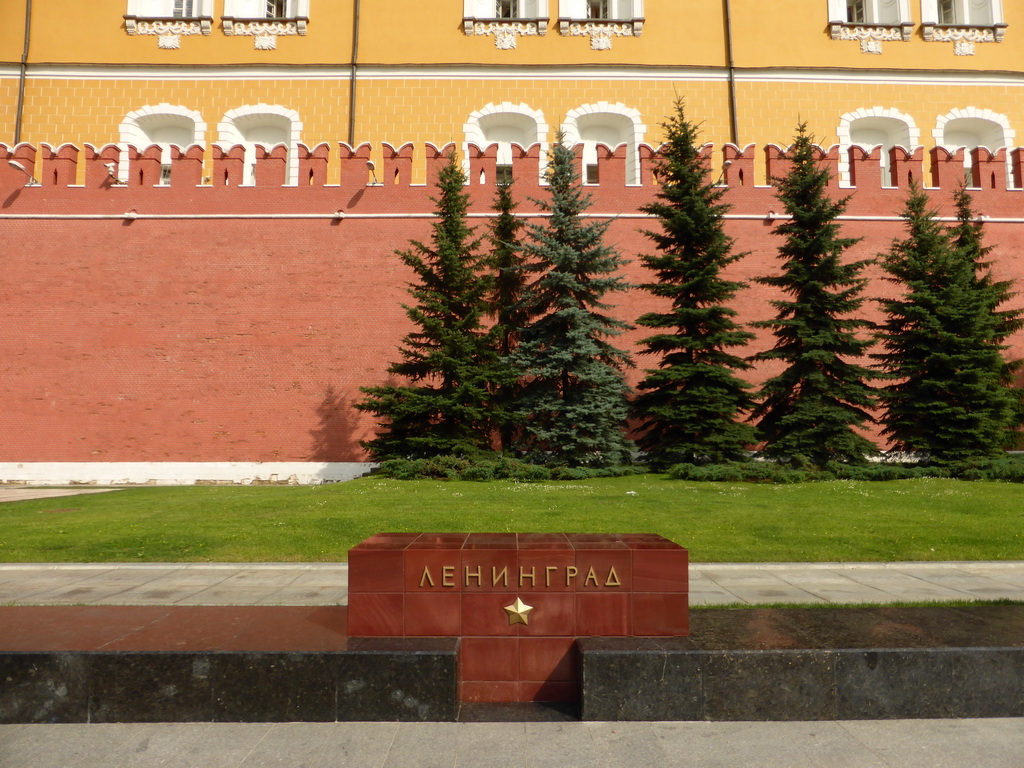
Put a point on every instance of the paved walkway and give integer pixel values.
(327, 583)
(859, 744)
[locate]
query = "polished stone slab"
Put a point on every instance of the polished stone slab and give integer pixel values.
(814, 664)
(215, 664)
(369, 681)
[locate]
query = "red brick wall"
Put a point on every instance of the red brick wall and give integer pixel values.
(246, 339)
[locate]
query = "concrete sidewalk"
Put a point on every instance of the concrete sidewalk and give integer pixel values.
(861, 744)
(327, 583)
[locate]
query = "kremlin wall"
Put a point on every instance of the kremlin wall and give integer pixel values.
(196, 329)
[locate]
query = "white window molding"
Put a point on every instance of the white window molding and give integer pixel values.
(265, 20)
(870, 22)
(609, 124)
(506, 20)
(169, 20)
(970, 128)
(963, 23)
(163, 125)
(884, 126)
(601, 20)
(506, 124)
(266, 125)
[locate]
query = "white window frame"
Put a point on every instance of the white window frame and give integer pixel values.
(930, 14)
(962, 11)
(480, 17)
(618, 10)
(625, 17)
(164, 9)
(871, 33)
(872, 12)
(257, 9)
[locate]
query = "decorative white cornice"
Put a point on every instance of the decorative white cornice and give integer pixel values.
(871, 36)
(963, 38)
(168, 31)
(505, 32)
(600, 32)
(264, 31)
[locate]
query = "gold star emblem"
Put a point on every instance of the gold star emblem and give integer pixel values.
(518, 612)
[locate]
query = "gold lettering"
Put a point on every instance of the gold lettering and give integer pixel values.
(496, 574)
(532, 576)
(547, 574)
(570, 574)
(473, 575)
(426, 578)
(613, 578)
(591, 576)
(448, 576)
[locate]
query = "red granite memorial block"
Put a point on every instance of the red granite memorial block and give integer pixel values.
(518, 601)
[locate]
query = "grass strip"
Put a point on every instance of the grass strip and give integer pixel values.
(841, 521)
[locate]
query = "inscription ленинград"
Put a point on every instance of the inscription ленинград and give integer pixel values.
(548, 576)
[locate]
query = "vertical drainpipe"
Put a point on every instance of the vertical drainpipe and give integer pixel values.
(352, 75)
(22, 73)
(733, 120)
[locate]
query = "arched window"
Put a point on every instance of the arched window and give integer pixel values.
(506, 124)
(610, 124)
(266, 125)
(163, 125)
(872, 127)
(970, 128)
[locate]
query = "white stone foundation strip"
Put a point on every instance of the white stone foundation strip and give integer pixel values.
(181, 472)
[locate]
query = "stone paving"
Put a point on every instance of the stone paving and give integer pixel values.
(992, 743)
(326, 583)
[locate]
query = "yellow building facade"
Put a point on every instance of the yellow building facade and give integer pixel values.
(907, 72)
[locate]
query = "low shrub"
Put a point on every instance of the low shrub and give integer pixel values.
(1009, 469)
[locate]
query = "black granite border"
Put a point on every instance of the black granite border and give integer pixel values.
(378, 680)
(648, 679)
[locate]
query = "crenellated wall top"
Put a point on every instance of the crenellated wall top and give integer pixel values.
(622, 170)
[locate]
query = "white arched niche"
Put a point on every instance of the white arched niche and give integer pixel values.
(971, 128)
(506, 124)
(164, 125)
(266, 125)
(610, 124)
(869, 128)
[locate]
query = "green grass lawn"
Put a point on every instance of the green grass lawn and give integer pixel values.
(719, 522)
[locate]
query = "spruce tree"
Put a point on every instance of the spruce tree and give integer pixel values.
(688, 406)
(572, 406)
(509, 280)
(810, 410)
(447, 359)
(951, 398)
